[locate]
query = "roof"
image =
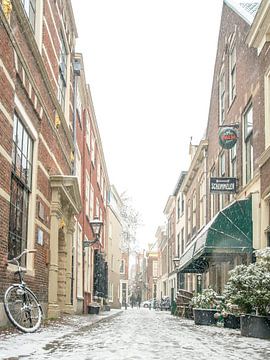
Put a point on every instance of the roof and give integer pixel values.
(247, 9)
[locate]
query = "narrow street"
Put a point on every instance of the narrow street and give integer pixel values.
(132, 334)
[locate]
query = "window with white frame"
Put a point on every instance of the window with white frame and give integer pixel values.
(189, 218)
(233, 161)
(202, 201)
(213, 196)
(122, 267)
(177, 250)
(222, 165)
(110, 295)
(97, 208)
(21, 186)
(155, 268)
(91, 203)
(222, 97)
(62, 79)
(222, 172)
(87, 131)
(98, 172)
(87, 194)
(78, 166)
(178, 207)
(194, 200)
(79, 104)
(232, 71)
(182, 241)
(30, 9)
(248, 143)
(93, 148)
(182, 204)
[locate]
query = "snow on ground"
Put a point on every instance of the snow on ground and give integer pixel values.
(133, 334)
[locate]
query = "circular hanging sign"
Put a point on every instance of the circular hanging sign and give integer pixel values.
(227, 137)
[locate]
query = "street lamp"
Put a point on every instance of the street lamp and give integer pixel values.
(176, 262)
(96, 226)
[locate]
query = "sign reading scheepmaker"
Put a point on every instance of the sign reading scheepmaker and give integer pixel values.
(223, 185)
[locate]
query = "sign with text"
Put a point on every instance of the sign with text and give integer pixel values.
(227, 137)
(223, 185)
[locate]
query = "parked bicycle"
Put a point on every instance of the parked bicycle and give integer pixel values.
(20, 303)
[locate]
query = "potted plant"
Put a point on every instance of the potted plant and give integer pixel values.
(205, 307)
(230, 316)
(249, 288)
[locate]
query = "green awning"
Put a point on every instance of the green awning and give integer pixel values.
(229, 232)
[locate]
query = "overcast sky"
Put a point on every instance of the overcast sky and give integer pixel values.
(149, 64)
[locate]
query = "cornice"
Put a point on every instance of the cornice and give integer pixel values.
(260, 30)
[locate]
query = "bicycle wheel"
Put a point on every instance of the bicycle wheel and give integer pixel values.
(22, 308)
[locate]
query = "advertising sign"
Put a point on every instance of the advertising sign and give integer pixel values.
(223, 185)
(227, 137)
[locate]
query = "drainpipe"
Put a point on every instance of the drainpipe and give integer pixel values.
(76, 73)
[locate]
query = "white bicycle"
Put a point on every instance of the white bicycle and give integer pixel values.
(21, 304)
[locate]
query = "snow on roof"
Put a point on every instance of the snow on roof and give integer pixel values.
(247, 9)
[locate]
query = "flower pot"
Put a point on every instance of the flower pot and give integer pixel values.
(232, 321)
(255, 326)
(204, 316)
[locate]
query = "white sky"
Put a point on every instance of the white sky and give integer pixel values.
(149, 64)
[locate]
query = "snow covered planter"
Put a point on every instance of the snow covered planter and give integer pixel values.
(249, 288)
(205, 307)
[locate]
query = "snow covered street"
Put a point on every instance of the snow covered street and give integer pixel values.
(132, 334)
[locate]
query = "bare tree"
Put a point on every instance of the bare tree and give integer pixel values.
(131, 221)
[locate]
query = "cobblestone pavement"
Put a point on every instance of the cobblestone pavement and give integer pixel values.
(132, 334)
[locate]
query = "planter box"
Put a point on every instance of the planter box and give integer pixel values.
(232, 322)
(255, 326)
(204, 316)
(93, 309)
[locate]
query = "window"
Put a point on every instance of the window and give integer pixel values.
(189, 218)
(222, 98)
(182, 241)
(213, 199)
(178, 207)
(202, 201)
(21, 182)
(110, 295)
(97, 208)
(248, 146)
(30, 9)
(62, 81)
(87, 131)
(78, 166)
(91, 202)
(155, 268)
(87, 194)
(122, 267)
(79, 105)
(233, 161)
(92, 148)
(182, 203)
(232, 69)
(194, 199)
(98, 172)
(178, 245)
(222, 165)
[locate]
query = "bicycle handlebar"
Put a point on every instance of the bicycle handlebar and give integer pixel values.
(24, 252)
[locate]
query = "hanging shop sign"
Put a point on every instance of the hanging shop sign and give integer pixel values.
(227, 137)
(223, 185)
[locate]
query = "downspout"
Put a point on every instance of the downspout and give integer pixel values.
(76, 72)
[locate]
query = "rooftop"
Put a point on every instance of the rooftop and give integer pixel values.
(247, 9)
